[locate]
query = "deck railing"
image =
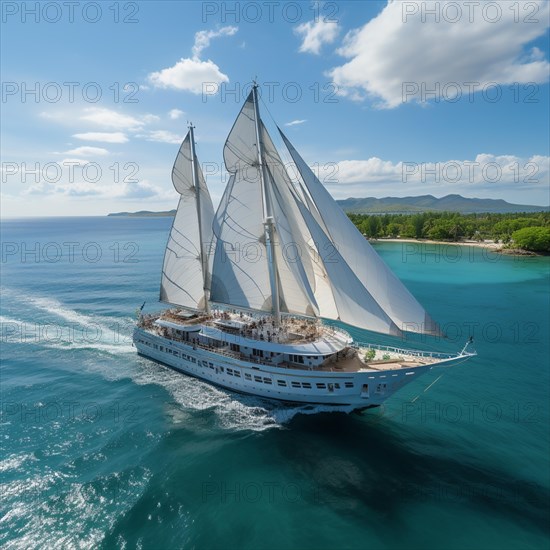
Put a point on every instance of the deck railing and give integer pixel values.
(407, 352)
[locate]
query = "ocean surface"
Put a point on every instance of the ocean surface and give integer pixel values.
(102, 448)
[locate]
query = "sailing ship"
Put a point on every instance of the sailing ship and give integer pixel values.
(255, 287)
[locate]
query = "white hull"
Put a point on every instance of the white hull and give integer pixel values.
(360, 390)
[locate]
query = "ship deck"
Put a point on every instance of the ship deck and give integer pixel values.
(354, 364)
(340, 364)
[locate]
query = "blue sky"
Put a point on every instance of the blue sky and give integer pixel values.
(361, 118)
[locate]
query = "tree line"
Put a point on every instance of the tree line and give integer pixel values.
(527, 231)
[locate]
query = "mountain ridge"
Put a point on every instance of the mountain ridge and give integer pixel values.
(402, 205)
(429, 203)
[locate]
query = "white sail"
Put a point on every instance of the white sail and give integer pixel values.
(240, 267)
(185, 272)
(354, 304)
(239, 272)
(296, 274)
(380, 282)
(337, 293)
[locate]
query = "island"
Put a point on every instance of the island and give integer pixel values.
(145, 214)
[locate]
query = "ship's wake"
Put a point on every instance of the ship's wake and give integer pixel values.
(233, 411)
(47, 322)
(51, 324)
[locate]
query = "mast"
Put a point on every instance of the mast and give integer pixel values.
(269, 227)
(196, 184)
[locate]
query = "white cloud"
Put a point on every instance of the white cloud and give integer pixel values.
(295, 122)
(122, 191)
(107, 137)
(86, 151)
(108, 118)
(398, 47)
(316, 33)
(72, 162)
(163, 136)
(485, 173)
(174, 114)
(190, 74)
(140, 190)
(202, 38)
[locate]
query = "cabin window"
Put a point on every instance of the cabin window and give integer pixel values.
(306, 385)
(296, 384)
(247, 376)
(267, 380)
(237, 373)
(337, 386)
(349, 384)
(235, 347)
(281, 383)
(257, 379)
(321, 386)
(230, 371)
(258, 352)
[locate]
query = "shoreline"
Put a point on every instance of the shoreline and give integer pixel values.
(498, 248)
(483, 244)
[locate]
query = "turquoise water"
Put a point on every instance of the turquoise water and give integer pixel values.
(103, 448)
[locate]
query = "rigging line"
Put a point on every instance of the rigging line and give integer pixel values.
(187, 254)
(241, 231)
(177, 286)
(412, 400)
(268, 111)
(286, 161)
(436, 380)
(239, 154)
(427, 388)
(174, 229)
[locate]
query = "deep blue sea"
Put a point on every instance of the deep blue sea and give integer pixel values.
(102, 448)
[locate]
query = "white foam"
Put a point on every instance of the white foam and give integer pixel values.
(105, 336)
(233, 411)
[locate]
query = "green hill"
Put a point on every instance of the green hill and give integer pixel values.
(429, 203)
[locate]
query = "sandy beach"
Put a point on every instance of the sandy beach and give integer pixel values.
(479, 244)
